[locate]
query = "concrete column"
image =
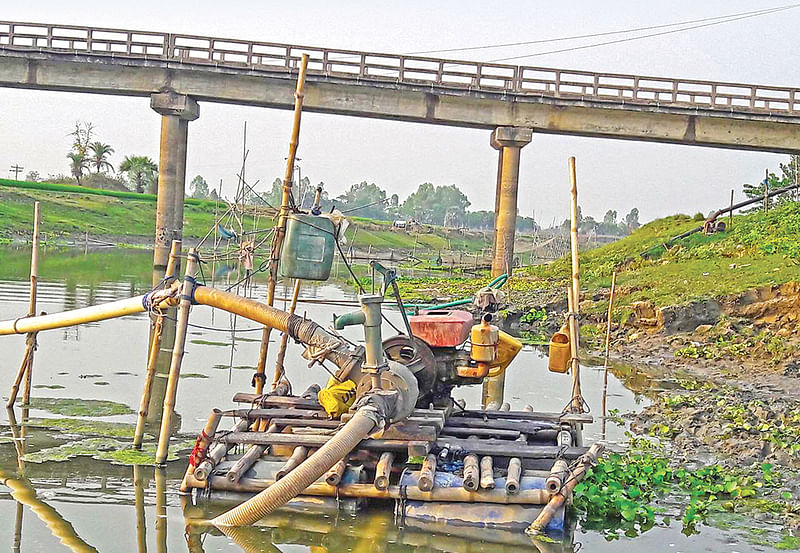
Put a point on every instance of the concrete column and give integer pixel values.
(508, 141)
(176, 111)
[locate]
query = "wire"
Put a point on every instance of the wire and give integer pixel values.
(629, 39)
(593, 35)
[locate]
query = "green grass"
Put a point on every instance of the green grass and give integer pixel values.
(74, 210)
(760, 249)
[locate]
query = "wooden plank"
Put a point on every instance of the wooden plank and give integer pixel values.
(526, 427)
(525, 415)
(479, 447)
(273, 413)
(277, 401)
(496, 432)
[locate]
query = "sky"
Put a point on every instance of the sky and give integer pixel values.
(658, 179)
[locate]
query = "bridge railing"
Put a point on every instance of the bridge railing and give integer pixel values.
(436, 73)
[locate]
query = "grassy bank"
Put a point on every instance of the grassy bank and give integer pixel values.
(74, 210)
(760, 249)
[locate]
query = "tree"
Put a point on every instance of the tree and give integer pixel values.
(142, 172)
(199, 187)
(437, 205)
(33, 176)
(632, 219)
(78, 164)
(790, 176)
(364, 200)
(98, 154)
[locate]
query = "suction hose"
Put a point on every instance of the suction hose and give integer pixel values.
(290, 486)
(303, 330)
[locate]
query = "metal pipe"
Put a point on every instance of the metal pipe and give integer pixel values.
(427, 473)
(170, 396)
(383, 470)
(373, 359)
(280, 231)
(513, 476)
(487, 473)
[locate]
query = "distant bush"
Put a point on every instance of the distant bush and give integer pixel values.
(699, 217)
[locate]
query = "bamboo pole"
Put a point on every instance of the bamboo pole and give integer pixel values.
(202, 444)
(215, 455)
(299, 455)
(334, 476)
(280, 231)
(279, 370)
(730, 215)
(12, 396)
(155, 346)
(26, 394)
(608, 347)
(427, 474)
(471, 472)
(249, 458)
(160, 474)
(556, 501)
(574, 303)
(187, 290)
(487, 473)
(574, 341)
(138, 498)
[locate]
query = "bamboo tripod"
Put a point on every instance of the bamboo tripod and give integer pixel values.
(26, 368)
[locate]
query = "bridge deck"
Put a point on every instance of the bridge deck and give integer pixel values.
(413, 88)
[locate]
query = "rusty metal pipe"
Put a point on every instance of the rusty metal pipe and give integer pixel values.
(214, 456)
(298, 456)
(334, 475)
(487, 473)
(514, 472)
(471, 472)
(383, 470)
(558, 475)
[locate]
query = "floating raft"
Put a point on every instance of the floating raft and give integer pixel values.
(499, 467)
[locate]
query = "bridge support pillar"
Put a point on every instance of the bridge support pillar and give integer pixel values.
(176, 111)
(508, 141)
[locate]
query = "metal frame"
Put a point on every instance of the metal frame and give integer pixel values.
(612, 88)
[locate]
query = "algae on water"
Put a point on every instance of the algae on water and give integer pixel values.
(86, 427)
(105, 449)
(74, 407)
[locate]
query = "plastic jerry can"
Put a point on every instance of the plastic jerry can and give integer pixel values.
(308, 247)
(560, 354)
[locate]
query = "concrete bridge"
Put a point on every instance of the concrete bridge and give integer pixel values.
(176, 71)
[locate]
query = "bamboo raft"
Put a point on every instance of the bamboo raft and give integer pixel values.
(503, 462)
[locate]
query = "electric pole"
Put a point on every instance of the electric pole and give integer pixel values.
(16, 169)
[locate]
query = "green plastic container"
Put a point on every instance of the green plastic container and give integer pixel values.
(308, 247)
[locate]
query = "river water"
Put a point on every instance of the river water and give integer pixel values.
(86, 504)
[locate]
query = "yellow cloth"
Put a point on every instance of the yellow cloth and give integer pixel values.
(337, 397)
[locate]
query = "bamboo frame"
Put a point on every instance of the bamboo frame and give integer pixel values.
(187, 291)
(576, 401)
(604, 397)
(280, 229)
(26, 368)
(155, 347)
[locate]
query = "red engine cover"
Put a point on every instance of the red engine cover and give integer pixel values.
(443, 328)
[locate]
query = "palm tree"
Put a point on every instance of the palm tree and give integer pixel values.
(78, 163)
(100, 152)
(141, 171)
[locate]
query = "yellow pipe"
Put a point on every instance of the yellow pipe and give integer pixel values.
(91, 314)
(23, 492)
